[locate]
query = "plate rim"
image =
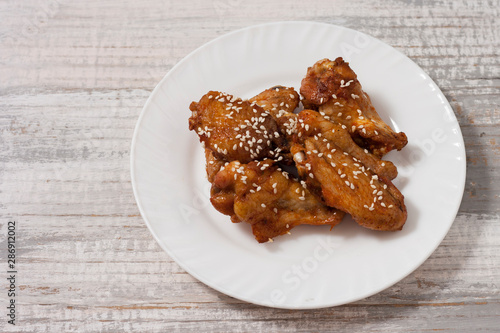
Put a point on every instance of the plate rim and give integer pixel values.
(221, 289)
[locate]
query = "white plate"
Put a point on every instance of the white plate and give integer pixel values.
(314, 267)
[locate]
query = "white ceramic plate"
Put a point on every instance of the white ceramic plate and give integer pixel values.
(314, 267)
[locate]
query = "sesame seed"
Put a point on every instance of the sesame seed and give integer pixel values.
(352, 186)
(348, 117)
(382, 204)
(339, 114)
(311, 175)
(390, 206)
(287, 225)
(371, 208)
(302, 198)
(275, 210)
(347, 183)
(383, 164)
(342, 175)
(270, 240)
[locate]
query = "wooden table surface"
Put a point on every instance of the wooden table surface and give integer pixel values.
(74, 76)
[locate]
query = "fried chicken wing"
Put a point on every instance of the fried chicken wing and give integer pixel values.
(280, 102)
(269, 199)
(332, 88)
(342, 177)
(319, 127)
(235, 129)
(277, 99)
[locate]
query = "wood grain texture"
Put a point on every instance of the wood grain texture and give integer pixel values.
(74, 77)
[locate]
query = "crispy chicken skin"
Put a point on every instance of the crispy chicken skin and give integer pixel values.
(332, 88)
(338, 175)
(269, 199)
(234, 129)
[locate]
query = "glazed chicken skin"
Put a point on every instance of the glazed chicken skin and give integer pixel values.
(332, 88)
(332, 133)
(280, 102)
(234, 129)
(269, 199)
(213, 164)
(331, 164)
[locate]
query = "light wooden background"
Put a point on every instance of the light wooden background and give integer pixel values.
(74, 76)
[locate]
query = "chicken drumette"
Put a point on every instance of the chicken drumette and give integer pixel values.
(269, 199)
(346, 177)
(332, 88)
